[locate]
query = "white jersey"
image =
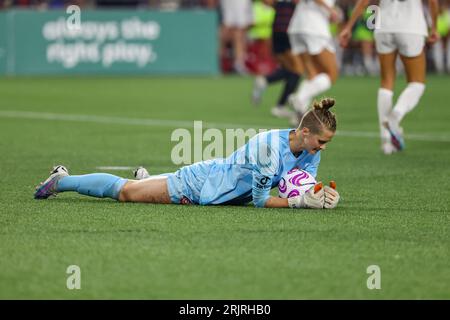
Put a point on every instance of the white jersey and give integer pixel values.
(311, 18)
(402, 16)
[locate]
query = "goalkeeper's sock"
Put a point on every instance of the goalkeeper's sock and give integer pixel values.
(292, 80)
(408, 99)
(98, 185)
(384, 106)
(277, 75)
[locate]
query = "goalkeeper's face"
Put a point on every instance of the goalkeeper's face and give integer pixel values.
(314, 142)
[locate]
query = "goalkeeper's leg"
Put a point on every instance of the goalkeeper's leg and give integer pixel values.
(153, 190)
(150, 190)
(104, 185)
(101, 185)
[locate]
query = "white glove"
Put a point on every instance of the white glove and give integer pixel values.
(308, 200)
(331, 197)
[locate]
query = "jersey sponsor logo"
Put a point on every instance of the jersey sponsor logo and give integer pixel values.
(264, 180)
(263, 183)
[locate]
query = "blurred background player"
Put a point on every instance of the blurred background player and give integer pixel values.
(259, 49)
(364, 60)
(290, 66)
(402, 31)
(310, 36)
(237, 16)
(441, 50)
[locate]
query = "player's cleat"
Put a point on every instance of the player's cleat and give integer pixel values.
(396, 133)
(387, 148)
(141, 173)
(259, 86)
(282, 112)
(48, 187)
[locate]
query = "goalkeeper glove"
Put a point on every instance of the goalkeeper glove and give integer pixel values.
(331, 196)
(314, 198)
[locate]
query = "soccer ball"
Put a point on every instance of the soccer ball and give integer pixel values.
(295, 183)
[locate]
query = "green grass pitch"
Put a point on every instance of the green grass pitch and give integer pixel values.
(394, 211)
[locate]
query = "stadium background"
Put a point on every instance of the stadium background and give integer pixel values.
(111, 115)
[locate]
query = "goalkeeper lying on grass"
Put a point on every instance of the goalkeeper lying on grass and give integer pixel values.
(246, 175)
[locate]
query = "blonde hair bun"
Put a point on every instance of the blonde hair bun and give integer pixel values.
(325, 103)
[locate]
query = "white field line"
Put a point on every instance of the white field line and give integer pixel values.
(188, 124)
(129, 168)
(118, 168)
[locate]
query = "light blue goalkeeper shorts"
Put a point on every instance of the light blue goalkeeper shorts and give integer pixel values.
(185, 184)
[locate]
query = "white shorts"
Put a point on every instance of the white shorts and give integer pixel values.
(312, 44)
(407, 44)
(237, 13)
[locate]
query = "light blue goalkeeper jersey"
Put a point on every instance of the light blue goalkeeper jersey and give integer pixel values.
(248, 174)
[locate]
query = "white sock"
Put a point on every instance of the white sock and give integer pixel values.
(301, 97)
(314, 87)
(384, 106)
(409, 98)
(303, 83)
(319, 84)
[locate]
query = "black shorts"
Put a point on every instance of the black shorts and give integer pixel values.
(280, 42)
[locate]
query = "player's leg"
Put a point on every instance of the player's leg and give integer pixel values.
(150, 190)
(326, 64)
(385, 96)
(239, 45)
(294, 68)
(321, 60)
(289, 71)
(386, 48)
(291, 62)
(104, 185)
(415, 69)
(368, 60)
(322, 72)
(387, 70)
(100, 185)
(411, 50)
(300, 99)
(262, 82)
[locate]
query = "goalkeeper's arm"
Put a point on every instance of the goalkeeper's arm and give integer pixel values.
(261, 185)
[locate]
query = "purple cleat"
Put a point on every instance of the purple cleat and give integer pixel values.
(396, 133)
(48, 187)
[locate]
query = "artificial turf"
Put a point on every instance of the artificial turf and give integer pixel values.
(394, 211)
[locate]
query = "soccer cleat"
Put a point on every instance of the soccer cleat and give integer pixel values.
(48, 187)
(396, 133)
(387, 148)
(259, 87)
(141, 173)
(282, 112)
